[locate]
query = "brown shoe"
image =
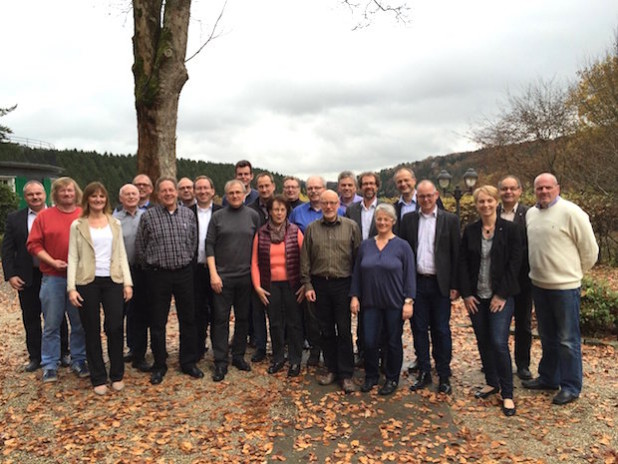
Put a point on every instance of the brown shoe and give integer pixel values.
(348, 386)
(327, 379)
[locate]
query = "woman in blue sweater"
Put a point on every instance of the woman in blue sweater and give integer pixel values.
(384, 282)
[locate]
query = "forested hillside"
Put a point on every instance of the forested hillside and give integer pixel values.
(114, 170)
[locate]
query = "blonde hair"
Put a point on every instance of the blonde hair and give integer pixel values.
(63, 182)
(487, 190)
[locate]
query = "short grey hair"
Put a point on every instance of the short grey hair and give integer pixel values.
(347, 175)
(509, 176)
(388, 209)
(32, 182)
(320, 178)
(229, 184)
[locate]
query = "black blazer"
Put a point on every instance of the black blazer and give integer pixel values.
(255, 206)
(446, 246)
(398, 207)
(520, 220)
(16, 261)
(506, 256)
(354, 212)
(193, 207)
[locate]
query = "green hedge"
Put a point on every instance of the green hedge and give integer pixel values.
(599, 308)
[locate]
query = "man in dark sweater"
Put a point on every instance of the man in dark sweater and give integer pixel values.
(228, 251)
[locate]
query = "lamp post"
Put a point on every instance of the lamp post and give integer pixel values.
(444, 181)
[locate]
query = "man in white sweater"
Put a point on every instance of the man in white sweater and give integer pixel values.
(561, 247)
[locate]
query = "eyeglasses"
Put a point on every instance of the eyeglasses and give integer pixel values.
(329, 203)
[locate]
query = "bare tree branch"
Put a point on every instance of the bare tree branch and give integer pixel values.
(213, 34)
(371, 8)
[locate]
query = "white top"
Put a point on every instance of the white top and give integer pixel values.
(425, 261)
(561, 245)
(367, 216)
(102, 242)
(203, 219)
(508, 215)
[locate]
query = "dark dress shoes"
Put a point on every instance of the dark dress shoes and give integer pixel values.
(128, 357)
(219, 373)
(536, 384)
(275, 367)
(258, 356)
(564, 397)
(294, 370)
(368, 385)
(388, 388)
(32, 366)
(141, 365)
(508, 412)
(193, 371)
(327, 379)
(480, 394)
(348, 386)
(156, 377)
(524, 373)
(445, 386)
(241, 364)
(423, 379)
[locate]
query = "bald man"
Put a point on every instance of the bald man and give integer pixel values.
(129, 215)
(145, 187)
(561, 248)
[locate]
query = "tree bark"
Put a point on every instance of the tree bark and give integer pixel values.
(159, 72)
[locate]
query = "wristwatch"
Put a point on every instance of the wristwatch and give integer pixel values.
(408, 301)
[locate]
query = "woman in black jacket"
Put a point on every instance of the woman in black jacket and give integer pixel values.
(490, 258)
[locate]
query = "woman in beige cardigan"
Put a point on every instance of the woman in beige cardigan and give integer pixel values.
(98, 273)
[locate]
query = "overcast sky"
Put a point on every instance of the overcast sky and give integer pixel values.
(289, 85)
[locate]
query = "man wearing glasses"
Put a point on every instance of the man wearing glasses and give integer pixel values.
(327, 260)
(512, 210)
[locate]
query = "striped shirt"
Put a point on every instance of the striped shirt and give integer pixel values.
(329, 249)
(166, 240)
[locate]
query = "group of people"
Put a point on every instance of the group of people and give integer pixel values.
(307, 268)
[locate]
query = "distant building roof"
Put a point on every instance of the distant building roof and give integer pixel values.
(30, 170)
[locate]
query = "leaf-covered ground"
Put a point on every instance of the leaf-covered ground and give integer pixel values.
(255, 417)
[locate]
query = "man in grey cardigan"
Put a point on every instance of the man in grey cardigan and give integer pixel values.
(228, 254)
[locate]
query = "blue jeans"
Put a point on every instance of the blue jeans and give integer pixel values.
(432, 312)
(492, 338)
(54, 304)
(557, 313)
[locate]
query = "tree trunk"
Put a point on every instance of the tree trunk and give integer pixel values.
(159, 72)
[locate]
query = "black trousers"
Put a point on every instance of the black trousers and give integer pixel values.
(30, 304)
(311, 329)
(139, 314)
(334, 318)
(523, 326)
(203, 305)
(284, 317)
(103, 291)
(236, 292)
(162, 285)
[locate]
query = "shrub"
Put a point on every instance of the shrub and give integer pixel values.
(599, 308)
(8, 203)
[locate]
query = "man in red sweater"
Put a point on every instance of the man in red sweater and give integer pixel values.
(49, 243)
